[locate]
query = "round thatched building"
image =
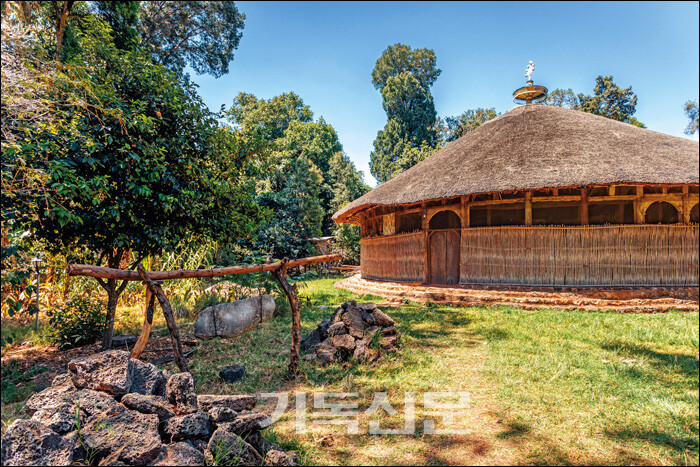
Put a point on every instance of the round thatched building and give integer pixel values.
(541, 195)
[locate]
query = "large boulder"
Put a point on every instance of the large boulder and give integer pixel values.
(190, 426)
(235, 403)
(235, 318)
(180, 392)
(29, 442)
(148, 379)
(180, 454)
(131, 436)
(111, 371)
(148, 404)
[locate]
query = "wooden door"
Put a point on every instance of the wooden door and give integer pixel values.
(444, 256)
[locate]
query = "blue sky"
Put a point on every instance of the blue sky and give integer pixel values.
(325, 52)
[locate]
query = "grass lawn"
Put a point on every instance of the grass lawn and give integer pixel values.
(545, 386)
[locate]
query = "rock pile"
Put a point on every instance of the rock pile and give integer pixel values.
(110, 409)
(359, 330)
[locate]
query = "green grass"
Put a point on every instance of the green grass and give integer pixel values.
(546, 387)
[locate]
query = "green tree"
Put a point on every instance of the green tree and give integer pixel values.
(609, 100)
(201, 34)
(400, 58)
(455, 127)
(691, 111)
(122, 17)
(404, 77)
(133, 162)
(563, 98)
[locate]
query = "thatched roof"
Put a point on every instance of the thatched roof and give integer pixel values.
(539, 146)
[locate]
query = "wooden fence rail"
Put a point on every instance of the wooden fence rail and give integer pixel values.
(150, 278)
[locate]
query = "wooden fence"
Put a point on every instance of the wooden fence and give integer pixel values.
(396, 258)
(641, 255)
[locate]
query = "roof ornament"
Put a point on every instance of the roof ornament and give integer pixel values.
(528, 71)
(529, 93)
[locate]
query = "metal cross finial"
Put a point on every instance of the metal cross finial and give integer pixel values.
(528, 71)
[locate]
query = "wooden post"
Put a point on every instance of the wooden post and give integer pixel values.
(169, 317)
(147, 323)
(291, 292)
(685, 212)
(528, 208)
(424, 226)
(638, 207)
(584, 206)
(465, 212)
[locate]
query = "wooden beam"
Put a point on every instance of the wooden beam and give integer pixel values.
(465, 212)
(128, 275)
(147, 323)
(528, 208)
(638, 207)
(584, 206)
(685, 213)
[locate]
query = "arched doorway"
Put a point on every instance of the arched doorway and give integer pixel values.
(443, 248)
(694, 214)
(661, 212)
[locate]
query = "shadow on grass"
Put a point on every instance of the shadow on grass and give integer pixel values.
(687, 364)
(679, 443)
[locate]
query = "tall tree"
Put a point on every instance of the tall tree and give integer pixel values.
(691, 111)
(123, 19)
(404, 77)
(201, 34)
(132, 162)
(400, 58)
(609, 100)
(455, 127)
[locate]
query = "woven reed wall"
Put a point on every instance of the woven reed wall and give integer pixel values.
(398, 258)
(580, 255)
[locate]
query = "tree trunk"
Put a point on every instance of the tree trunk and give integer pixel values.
(291, 292)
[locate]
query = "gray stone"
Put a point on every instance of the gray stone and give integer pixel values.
(360, 349)
(246, 422)
(129, 434)
(382, 319)
(180, 392)
(368, 318)
(389, 330)
(28, 442)
(148, 404)
(148, 379)
(230, 449)
(235, 318)
(323, 328)
(50, 398)
(124, 340)
(388, 342)
(311, 341)
(222, 414)
(62, 380)
(232, 373)
(93, 403)
(354, 322)
(337, 329)
(190, 426)
(235, 403)
(61, 419)
(181, 453)
(368, 307)
(344, 342)
(281, 458)
(111, 371)
(335, 317)
(326, 353)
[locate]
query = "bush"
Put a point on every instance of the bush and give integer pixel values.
(78, 322)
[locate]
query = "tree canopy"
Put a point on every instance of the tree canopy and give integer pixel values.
(404, 77)
(691, 111)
